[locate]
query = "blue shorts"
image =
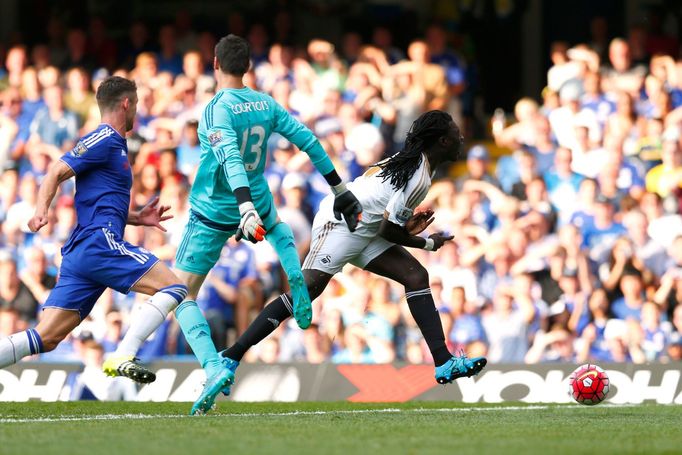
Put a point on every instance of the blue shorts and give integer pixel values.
(100, 259)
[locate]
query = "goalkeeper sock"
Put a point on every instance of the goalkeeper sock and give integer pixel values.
(426, 315)
(149, 316)
(19, 345)
(198, 334)
(282, 240)
(274, 313)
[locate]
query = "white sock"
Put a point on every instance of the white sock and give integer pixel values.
(148, 318)
(14, 348)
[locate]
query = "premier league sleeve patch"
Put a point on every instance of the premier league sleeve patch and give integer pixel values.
(403, 215)
(79, 149)
(215, 138)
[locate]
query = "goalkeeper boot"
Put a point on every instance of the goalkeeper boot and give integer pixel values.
(459, 367)
(303, 309)
(128, 367)
(231, 365)
(214, 385)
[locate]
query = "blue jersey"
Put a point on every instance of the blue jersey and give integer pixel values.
(95, 256)
(103, 182)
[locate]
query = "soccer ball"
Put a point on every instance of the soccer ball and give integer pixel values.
(588, 384)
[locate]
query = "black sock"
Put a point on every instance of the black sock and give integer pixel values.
(276, 312)
(425, 314)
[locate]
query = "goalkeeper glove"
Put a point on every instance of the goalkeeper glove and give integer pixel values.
(346, 204)
(250, 226)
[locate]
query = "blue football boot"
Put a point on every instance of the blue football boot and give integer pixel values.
(232, 366)
(459, 367)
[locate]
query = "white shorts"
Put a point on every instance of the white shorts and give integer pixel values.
(334, 246)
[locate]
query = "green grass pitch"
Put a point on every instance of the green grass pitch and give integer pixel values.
(337, 428)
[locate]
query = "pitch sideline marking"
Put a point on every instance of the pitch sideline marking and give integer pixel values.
(290, 413)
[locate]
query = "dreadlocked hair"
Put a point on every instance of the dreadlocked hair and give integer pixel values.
(399, 168)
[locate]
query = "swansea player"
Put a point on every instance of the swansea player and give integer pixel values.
(231, 196)
(389, 193)
(95, 256)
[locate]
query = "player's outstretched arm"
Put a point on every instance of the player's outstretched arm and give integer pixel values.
(58, 172)
(398, 234)
(345, 202)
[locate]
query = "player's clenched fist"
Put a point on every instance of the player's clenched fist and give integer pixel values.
(250, 226)
(38, 221)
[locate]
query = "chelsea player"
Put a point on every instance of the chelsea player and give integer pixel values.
(95, 256)
(231, 196)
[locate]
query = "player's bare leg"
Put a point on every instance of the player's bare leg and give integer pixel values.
(55, 324)
(166, 291)
(397, 264)
(198, 334)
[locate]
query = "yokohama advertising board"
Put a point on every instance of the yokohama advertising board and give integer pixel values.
(362, 383)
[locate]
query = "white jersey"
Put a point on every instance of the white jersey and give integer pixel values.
(378, 196)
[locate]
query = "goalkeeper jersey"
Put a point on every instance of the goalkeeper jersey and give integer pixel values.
(233, 135)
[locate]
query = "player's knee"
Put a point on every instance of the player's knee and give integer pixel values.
(416, 278)
(280, 235)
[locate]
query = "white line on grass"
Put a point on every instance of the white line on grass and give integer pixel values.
(267, 414)
(90, 417)
(293, 413)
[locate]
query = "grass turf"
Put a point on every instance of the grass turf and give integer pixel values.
(343, 428)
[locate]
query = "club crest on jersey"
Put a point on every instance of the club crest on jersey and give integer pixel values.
(79, 149)
(214, 138)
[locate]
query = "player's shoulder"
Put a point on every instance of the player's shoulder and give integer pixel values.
(421, 176)
(101, 137)
(216, 108)
(100, 134)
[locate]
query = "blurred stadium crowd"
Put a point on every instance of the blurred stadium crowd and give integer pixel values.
(567, 248)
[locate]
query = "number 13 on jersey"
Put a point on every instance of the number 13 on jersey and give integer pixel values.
(252, 147)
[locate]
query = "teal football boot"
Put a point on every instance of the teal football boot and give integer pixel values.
(214, 385)
(459, 367)
(303, 309)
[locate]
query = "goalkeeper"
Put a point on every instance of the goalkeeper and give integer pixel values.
(231, 196)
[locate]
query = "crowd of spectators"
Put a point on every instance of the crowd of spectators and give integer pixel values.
(567, 248)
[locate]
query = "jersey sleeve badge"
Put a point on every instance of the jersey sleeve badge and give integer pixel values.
(403, 215)
(215, 138)
(79, 150)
